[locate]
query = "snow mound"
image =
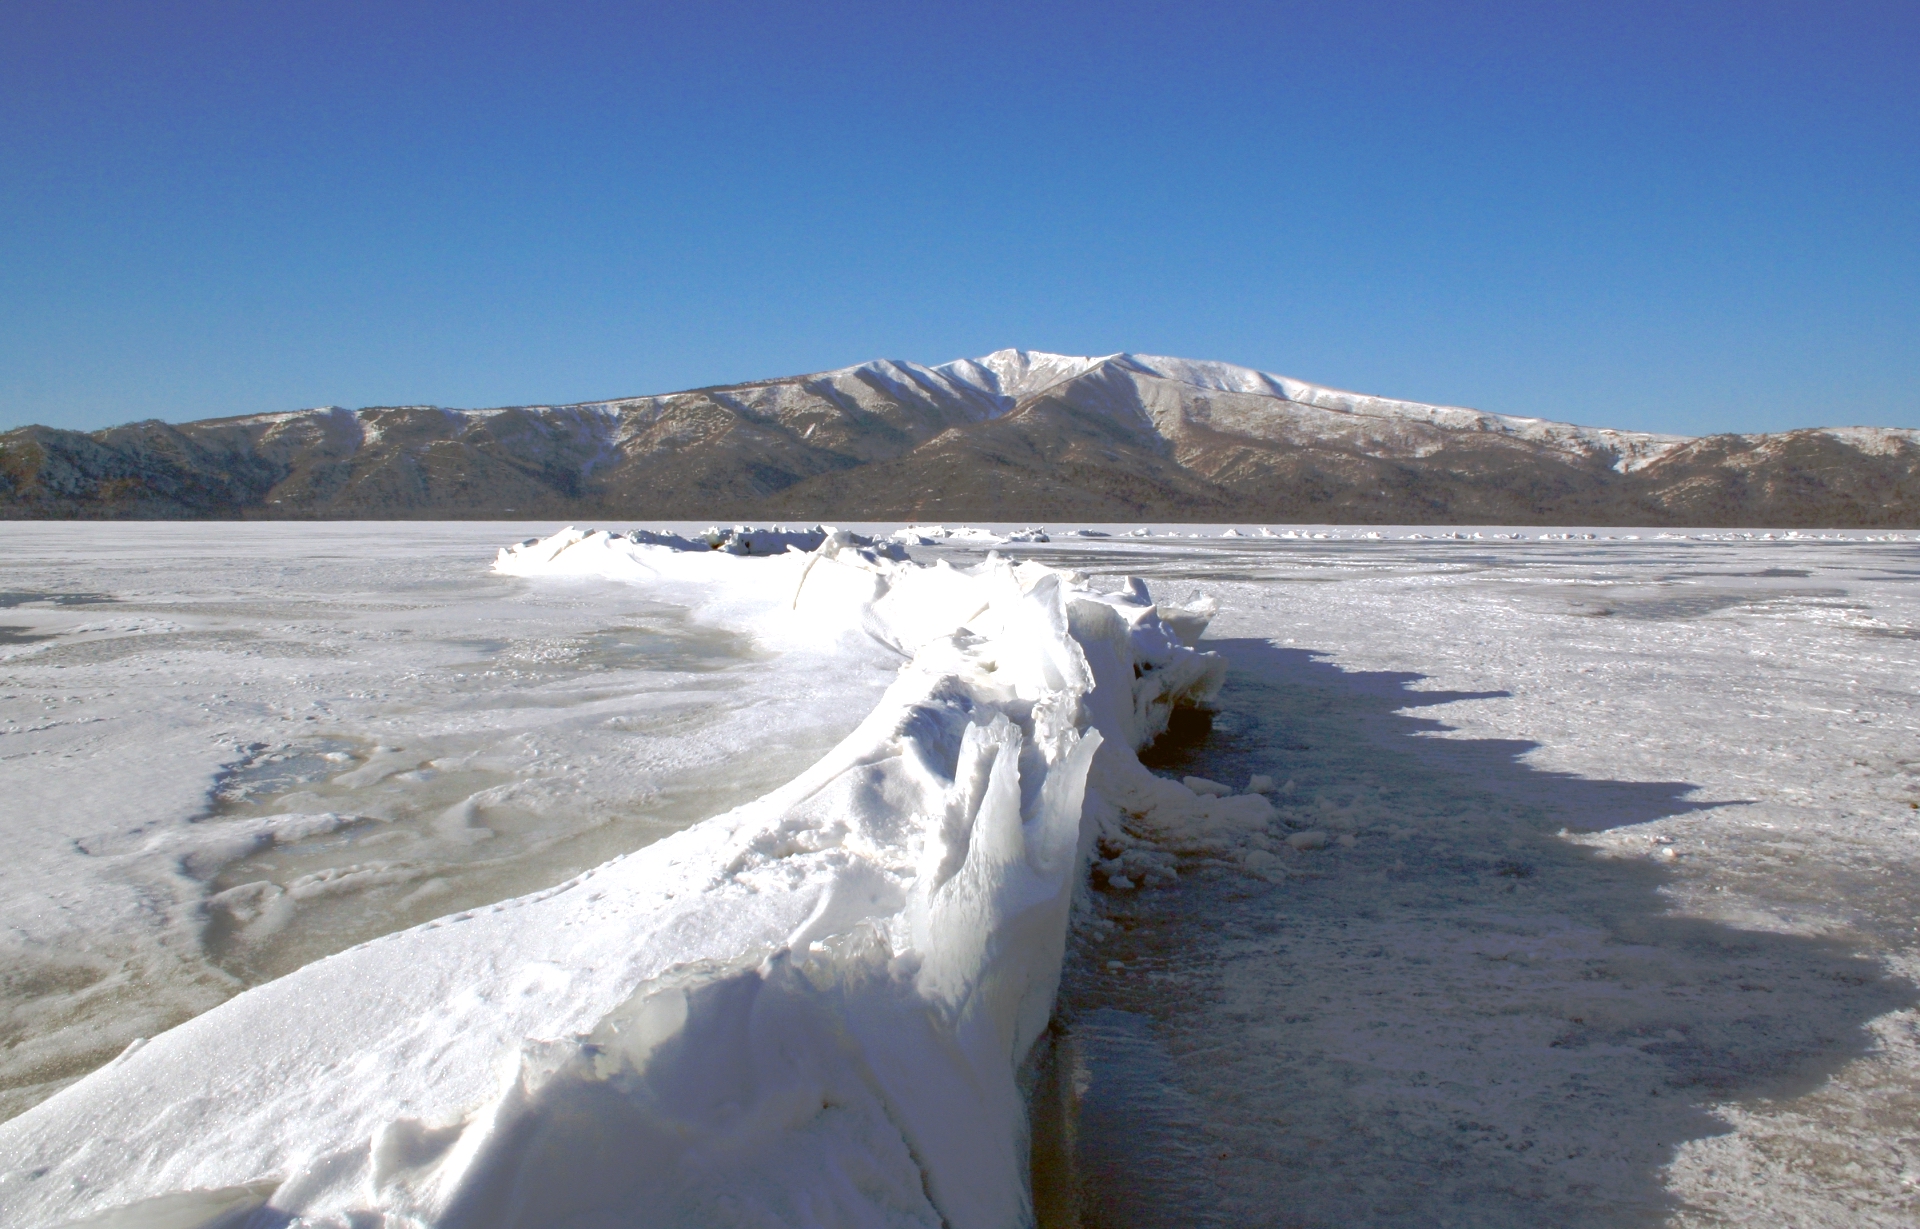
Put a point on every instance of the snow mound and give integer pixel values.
(810, 1009)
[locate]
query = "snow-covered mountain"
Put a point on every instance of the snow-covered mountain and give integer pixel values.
(1016, 434)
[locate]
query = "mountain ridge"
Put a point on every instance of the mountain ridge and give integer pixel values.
(1015, 434)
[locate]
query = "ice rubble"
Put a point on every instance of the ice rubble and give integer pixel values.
(734, 540)
(934, 535)
(810, 1009)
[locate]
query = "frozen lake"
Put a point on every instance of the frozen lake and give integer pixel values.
(1616, 924)
(1614, 921)
(476, 736)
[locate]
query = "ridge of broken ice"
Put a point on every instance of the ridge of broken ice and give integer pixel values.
(813, 1006)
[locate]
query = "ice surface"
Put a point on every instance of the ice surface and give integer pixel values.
(1605, 918)
(228, 750)
(811, 1009)
(1610, 920)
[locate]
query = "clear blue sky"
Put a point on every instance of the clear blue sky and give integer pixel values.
(1665, 216)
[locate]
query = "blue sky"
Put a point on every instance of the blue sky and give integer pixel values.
(1666, 216)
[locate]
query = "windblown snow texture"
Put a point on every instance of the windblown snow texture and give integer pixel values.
(810, 1009)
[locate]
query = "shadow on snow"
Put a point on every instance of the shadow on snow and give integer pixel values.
(1465, 1018)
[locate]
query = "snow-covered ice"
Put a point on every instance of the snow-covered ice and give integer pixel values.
(813, 1008)
(1606, 911)
(227, 750)
(1571, 881)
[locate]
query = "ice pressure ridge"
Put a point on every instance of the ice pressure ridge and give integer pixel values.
(810, 1009)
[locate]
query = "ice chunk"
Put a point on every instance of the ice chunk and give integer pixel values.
(1264, 864)
(1189, 622)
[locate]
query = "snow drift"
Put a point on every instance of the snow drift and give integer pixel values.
(809, 1010)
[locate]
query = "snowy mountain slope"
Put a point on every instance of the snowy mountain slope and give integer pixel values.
(1632, 448)
(1016, 433)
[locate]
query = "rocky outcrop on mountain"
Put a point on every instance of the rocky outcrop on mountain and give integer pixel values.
(1017, 435)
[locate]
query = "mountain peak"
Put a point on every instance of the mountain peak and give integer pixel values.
(1015, 434)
